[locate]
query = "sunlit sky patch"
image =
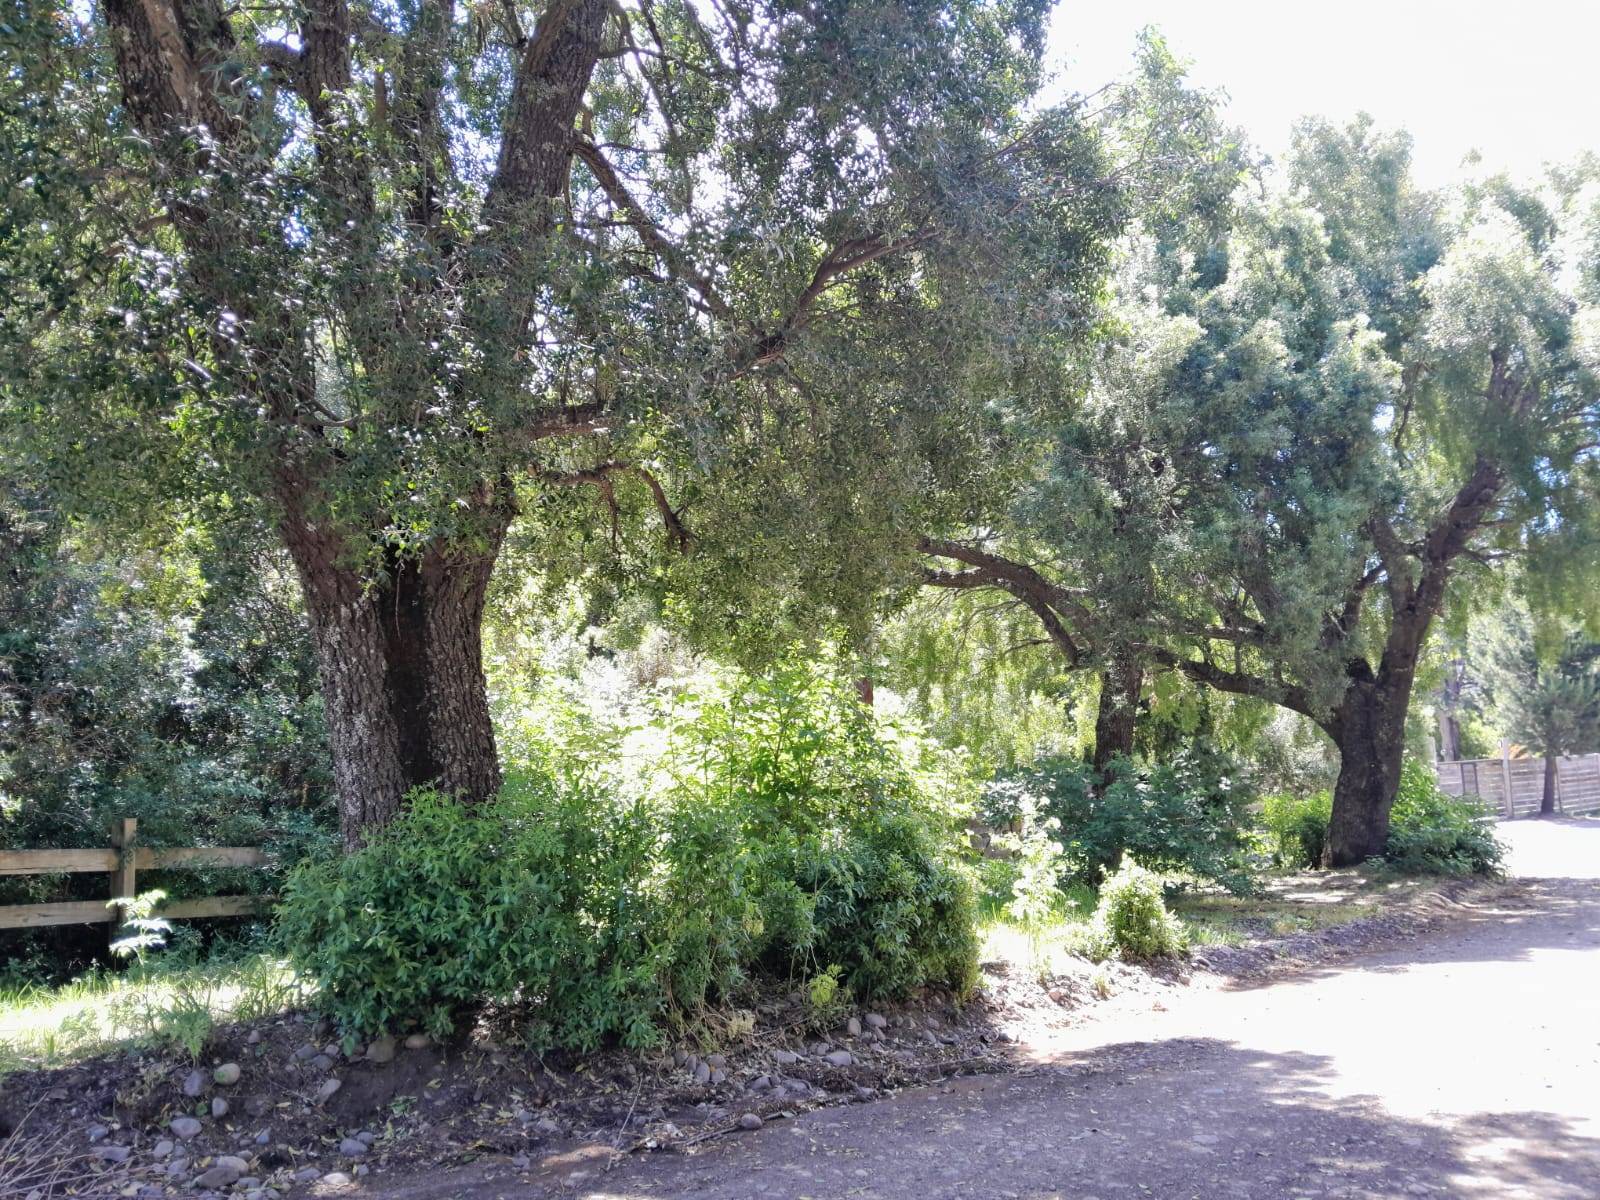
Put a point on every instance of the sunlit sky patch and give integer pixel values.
(1516, 82)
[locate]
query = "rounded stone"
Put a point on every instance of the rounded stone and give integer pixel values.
(751, 1122)
(219, 1107)
(381, 1050)
(328, 1088)
(352, 1147)
(184, 1128)
(194, 1085)
(417, 1041)
(227, 1074)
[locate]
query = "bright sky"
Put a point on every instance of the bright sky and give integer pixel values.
(1517, 81)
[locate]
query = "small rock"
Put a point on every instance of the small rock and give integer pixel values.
(194, 1085)
(307, 1174)
(264, 1137)
(702, 1073)
(547, 1125)
(750, 1122)
(336, 1178)
(381, 1050)
(163, 1148)
(219, 1107)
(177, 1167)
(853, 1027)
(184, 1128)
(877, 1021)
(253, 1038)
(417, 1041)
(716, 1061)
(680, 1056)
(227, 1074)
(247, 1183)
(321, 1062)
(366, 1137)
(331, 1049)
(718, 1077)
(761, 1083)
(521, 1162)
(254, 1193)
(97, 1133)
(352, 1148)
(839, 1058)
(785, 1058)
(363, 1170)
(219, 1175)
(305, 1053)
(328, 1088)
(110, 1153)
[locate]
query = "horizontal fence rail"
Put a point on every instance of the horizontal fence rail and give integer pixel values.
(1515, 786)
(122, 862)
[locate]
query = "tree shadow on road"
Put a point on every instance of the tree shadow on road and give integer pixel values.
(1188, 1119)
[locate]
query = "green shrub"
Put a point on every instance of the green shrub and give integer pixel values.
(842, 835)
(784, 834)
(529, 900)
(1131, 920)
(1431, 833)
(1295, 828)
(1188, 815)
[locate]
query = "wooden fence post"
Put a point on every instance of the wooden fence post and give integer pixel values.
(125, 877)
(1505, 774)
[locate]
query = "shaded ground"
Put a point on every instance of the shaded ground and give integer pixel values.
(1463, 1065)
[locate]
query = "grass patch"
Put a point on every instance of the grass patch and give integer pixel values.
(154, 1005)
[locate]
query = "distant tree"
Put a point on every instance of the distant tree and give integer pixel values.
(1546, 696)
(405, 275)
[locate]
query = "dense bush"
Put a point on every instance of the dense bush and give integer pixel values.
(782, 834)
(1295, 828)
(1188, 815)
(1430, 833)
(1131, 920)
(533, 899)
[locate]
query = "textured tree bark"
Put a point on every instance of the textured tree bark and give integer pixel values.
(1117, 715)
(401, 663)
(1547, 803)
(1369, 728)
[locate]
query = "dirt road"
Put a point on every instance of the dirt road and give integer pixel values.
(1467, 1065)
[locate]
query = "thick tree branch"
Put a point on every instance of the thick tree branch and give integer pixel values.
(1050, 603)
(1241, 683)
(677, 262)
(600, 477)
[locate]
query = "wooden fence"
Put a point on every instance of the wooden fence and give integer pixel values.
(1515, 786)
(122, 862)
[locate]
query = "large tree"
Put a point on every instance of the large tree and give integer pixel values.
(1313, 434)
(402, 274)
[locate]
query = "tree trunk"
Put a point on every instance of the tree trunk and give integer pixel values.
(1547, 804)
(1369, 727)
(401, 664)
(1117, 717)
